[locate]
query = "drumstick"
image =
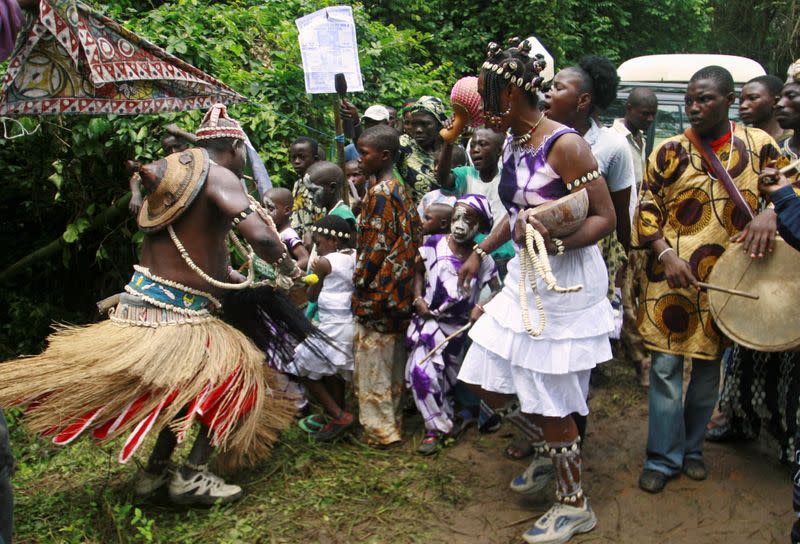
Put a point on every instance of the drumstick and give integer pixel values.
(793, 166)
(445, 341)
(727, 290)
(786, 170)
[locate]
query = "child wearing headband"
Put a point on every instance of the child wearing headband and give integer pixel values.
(443, 309)
(325, 377)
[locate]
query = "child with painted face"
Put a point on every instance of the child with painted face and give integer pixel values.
(278, 202)
(324, 368)
(443, 308)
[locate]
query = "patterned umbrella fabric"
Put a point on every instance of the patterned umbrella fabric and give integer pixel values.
(73, 60)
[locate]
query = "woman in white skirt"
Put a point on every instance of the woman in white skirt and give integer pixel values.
(545, 377)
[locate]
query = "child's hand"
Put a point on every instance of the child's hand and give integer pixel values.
(422, 308)
(476, 313)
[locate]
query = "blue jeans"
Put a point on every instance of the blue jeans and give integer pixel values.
(6, 501)
(676, 428)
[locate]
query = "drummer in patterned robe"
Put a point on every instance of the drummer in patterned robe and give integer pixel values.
(687, 216)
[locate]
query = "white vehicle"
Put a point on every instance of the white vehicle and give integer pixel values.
(668, 76)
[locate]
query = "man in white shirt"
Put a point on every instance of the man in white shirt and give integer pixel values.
(641, 110)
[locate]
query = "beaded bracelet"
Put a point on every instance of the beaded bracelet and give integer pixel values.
(481, 253)
(583, 180)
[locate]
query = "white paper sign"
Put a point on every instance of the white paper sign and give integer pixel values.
(328, 46)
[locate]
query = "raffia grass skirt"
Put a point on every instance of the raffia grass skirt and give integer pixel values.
(128, 376)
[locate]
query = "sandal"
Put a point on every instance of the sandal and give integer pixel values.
(488, 420)
(335, 428)
(432, 443)
(461, 422)
(518, 449)
(312, 424)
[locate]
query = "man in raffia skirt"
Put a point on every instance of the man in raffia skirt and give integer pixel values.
(163, 362)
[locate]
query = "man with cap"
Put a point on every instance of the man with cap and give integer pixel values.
(164, 361)
(374, 115)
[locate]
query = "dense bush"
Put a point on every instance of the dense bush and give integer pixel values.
(60, 183)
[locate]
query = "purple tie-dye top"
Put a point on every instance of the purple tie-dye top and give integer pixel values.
(450, 304)
(527, 180)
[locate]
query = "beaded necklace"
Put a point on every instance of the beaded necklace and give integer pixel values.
(522, 141)
(533, 258)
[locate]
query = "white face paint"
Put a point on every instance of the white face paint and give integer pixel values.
(317, 192)
(463, 227)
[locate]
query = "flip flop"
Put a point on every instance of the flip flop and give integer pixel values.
(312, 424)
(335, 428)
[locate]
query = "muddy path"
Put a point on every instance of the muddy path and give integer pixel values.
(746, 499)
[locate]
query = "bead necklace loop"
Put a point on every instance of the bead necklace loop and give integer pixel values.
(533, 259)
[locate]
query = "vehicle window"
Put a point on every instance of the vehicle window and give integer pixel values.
(669, 122)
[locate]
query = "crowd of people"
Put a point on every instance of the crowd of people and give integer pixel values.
(402, 280)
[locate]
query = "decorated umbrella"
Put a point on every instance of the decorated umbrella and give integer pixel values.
(73, 60)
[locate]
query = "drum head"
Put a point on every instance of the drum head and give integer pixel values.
(771, 323)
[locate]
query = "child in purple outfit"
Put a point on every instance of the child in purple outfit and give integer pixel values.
(442, 308)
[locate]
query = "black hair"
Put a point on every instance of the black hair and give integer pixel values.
(515, 63)
(382, 138)
(305, 140)
(773, 84)
(334, 223)
(459, 157)
(719, 75)
(600, 79)
(327, 167)
(642, 96)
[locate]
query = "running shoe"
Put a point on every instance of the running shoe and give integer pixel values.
(203, 488)
(561, 523)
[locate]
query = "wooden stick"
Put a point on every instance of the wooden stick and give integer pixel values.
(727, 290)
(793, 166)
(445, 341)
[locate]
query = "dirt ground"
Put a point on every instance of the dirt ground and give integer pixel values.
(746, 499)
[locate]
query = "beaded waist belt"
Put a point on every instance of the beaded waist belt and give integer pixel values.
(134, 310)
(169, 295)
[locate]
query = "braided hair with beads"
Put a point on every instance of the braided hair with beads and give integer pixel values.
(510, 66)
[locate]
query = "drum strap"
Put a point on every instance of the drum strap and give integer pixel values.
(713, 162)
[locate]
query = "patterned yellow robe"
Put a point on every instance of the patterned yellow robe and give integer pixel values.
(696, 217)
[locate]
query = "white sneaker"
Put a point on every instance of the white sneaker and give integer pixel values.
(561, 523)
(147, 482)
(202, 488)
(537, 477)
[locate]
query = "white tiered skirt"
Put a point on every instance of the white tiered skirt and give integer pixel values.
(549, 373)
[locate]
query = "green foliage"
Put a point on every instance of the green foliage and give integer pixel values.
(619, 29)
(306, 489)
(57, 181)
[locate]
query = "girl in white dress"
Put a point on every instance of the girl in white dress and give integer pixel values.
(325, 377)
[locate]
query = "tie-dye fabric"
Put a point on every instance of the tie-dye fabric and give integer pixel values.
(431, 382)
